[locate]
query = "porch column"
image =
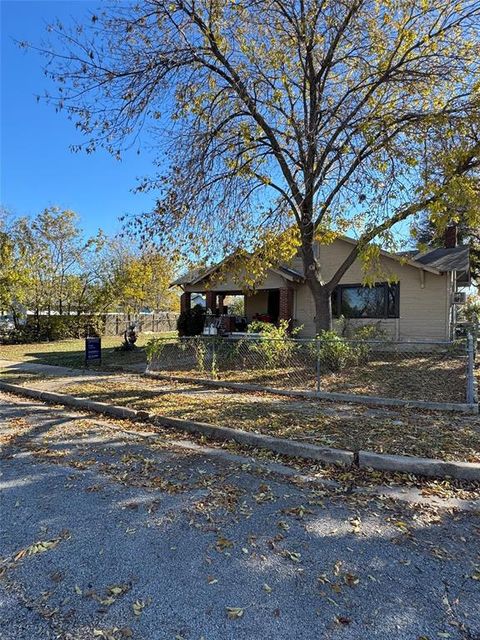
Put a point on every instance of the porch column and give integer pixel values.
(211, 301)
(185, 301)
(221, 299)
(286, 304)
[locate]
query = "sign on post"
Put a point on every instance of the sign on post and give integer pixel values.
(93, 350)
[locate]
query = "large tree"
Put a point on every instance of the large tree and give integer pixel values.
(279, 122)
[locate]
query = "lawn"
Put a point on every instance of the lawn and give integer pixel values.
(71, 353)
(432, 435)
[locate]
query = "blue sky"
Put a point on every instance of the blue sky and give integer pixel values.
(37, 168)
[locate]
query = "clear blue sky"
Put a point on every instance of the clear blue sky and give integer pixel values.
(37, 168)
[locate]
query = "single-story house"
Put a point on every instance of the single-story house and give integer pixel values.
(420, 303)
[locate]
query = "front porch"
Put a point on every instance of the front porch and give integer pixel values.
(266, 305)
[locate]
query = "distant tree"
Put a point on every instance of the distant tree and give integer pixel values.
(14, 271)
(57, 264)
(283, 121)
(141, 280)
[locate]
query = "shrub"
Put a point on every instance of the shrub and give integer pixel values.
(335, 353)
(51, 328)
(275, 344)
(191, 322)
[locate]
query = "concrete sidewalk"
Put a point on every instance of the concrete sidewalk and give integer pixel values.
(153, 542)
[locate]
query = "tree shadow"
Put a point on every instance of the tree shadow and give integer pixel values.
(338, 567)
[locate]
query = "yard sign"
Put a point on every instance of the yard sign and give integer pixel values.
(93, 350)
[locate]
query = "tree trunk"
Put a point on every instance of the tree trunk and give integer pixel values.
(321, 292)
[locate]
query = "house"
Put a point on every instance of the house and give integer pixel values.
(419, 303)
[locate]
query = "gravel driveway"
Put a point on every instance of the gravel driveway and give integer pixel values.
(104, 535)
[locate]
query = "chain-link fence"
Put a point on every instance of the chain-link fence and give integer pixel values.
(435, 372)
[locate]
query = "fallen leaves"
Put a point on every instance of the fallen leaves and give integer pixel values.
(298, 512)
(223, 543)
(234, 613)
(41, 546)
(115, 633)
(36, 547)
(138, 606)
(292, 555)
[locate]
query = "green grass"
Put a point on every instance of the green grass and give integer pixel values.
(71, 353)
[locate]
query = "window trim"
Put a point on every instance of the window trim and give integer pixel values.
(336, 312)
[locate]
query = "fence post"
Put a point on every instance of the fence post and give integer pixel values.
(213, 368)
(471, 387)
(318, 362)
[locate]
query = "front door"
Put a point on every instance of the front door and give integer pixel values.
(273, 304)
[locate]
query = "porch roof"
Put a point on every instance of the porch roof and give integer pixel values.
(195, 276)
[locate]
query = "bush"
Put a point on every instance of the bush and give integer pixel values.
(191, 322)
(336, 353)
(51, 328)
(275, 345)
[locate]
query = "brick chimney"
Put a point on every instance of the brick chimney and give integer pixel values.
(451, 236)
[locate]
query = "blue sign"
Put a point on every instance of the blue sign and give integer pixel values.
(93, 349)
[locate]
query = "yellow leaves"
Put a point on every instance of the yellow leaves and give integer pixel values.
(326, 235)
(234, 613)
(292, 555)
(356, 524)
(138, 606)
(476, 574)
(37, 547)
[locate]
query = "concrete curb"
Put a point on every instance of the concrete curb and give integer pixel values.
(472, 409)
(283, 446)
(419, 466)
(363, 459)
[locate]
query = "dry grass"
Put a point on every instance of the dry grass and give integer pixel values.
(435, 435)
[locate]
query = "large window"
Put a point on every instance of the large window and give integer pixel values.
(356, 301)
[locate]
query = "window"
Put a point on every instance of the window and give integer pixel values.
(356, 301)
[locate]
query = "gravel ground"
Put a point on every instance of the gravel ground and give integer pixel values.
(155, 542)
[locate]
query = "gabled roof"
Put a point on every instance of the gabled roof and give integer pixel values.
(453, 259)
(435, 261)
(197, 275)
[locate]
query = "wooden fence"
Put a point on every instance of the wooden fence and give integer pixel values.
(116, 323)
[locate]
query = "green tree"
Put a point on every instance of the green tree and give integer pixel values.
(51, 266)
(15, 272)
(141, 280)
(283, 121)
